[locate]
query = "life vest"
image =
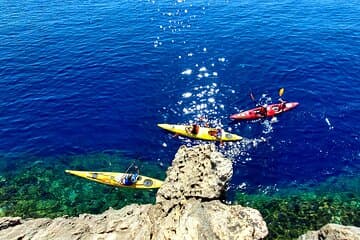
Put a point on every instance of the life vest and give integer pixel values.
(134, 177)
(130, 179)
(195, 129)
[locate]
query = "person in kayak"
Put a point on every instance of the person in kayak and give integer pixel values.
(281, 101)
(263, 111)
(130, 178)
(219, 135)
(216, 133)
(282, 104)
(272, 111)
(194, 129)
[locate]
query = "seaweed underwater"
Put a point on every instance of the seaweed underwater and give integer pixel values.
(43, 189)
(291, 212)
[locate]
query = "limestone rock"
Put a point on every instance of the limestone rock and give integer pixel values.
(333, 232)
(112, 224)
(200, 173)
(6, 222)
(210, 220)
(310, 235)
(188, 207)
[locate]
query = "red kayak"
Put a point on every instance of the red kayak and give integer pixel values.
(271, 110)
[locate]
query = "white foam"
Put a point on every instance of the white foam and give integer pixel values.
(205, 49)
(268, 128)
(186, 111)
(211, 100)
(221, 59)
(215, 74)
(201, 106)
(242, 186)
(329, 124)
(201, 94)
(187, 72)
(187, 95)
(202, 69)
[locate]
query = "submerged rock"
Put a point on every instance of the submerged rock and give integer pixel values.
(187, 206)
(333, 232)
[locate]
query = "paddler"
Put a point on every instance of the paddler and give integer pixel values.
(130, 178)
(194, 129)
(281, 101)
(263, 111)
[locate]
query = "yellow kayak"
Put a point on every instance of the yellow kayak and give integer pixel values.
(203, 134)
(115, 179)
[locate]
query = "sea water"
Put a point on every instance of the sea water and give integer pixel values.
(84, 83)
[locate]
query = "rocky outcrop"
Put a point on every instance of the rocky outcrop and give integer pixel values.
(200, 173)
(187, 206)
(7, 222)
(333, 232)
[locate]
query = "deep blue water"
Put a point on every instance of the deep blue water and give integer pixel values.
(87, 76)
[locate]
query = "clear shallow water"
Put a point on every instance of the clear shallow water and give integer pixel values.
(81, 77)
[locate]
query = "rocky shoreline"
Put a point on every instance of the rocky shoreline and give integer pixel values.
(188, 206)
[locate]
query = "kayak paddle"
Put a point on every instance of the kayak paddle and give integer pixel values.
(281, 91)
(252, 97)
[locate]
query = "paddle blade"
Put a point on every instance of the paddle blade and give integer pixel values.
(252, 96)
(281, 91)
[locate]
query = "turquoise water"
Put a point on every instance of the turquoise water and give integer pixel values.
(42, 188)
(82, 81)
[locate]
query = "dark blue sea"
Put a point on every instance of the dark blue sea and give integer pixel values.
(81, 77)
